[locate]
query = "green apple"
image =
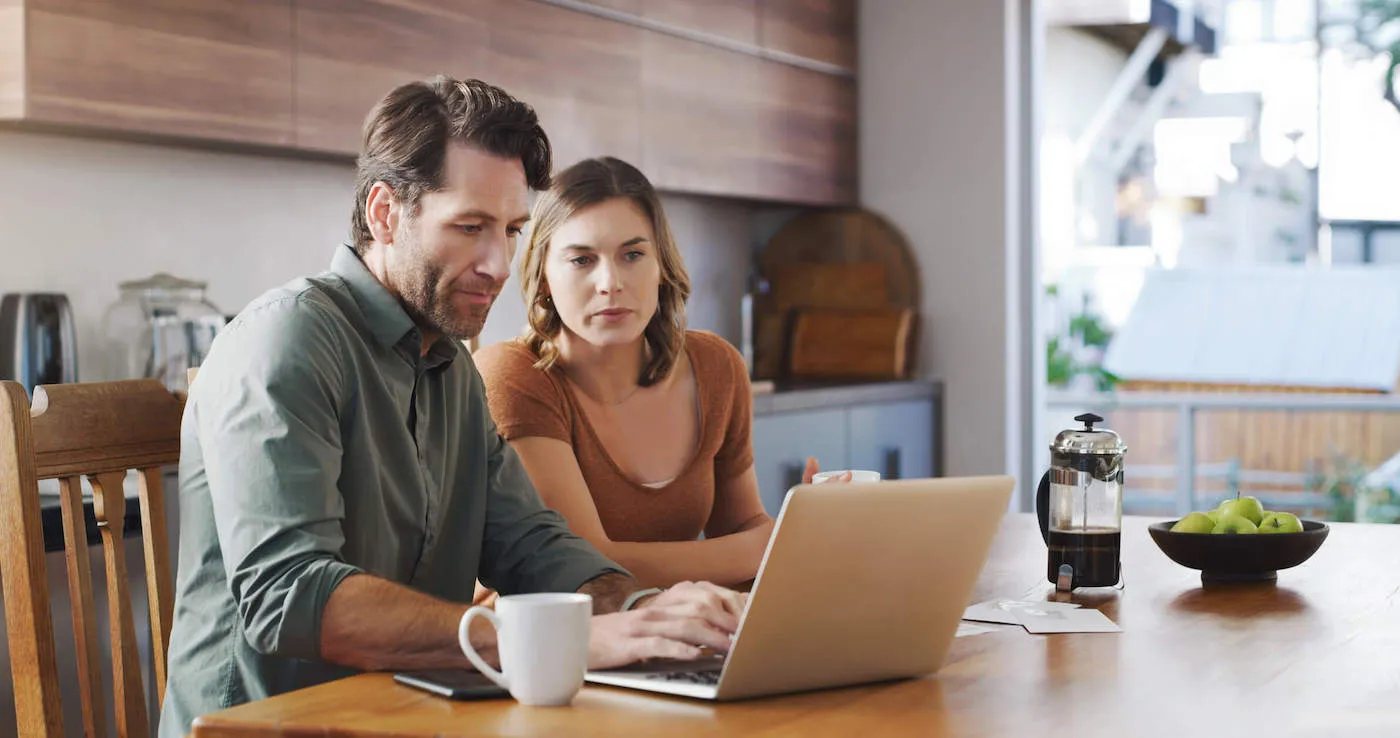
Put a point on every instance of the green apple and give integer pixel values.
(1281, 522)
(1214, 516)
(1245, 507)
(1231, 523)
(1194, 523)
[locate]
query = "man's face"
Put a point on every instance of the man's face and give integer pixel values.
(449, 261)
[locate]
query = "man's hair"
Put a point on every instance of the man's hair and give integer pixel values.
(405, 139)
(583, 185)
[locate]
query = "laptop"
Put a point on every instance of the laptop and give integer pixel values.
(860, 583)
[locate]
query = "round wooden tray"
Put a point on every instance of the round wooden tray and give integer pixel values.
(847, 236)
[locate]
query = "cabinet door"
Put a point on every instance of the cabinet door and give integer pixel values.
(351, 52)
(582, 74)
(783, 441)
(206, 69)
(736, 20)
(12, 63)
(700, 108)
(824, 30)
(895, 439)
(806, 128)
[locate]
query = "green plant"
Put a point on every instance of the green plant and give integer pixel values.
(1380, 504)
(1377, 27)
(1090, 330)
(1059, 365)
(1340, 480)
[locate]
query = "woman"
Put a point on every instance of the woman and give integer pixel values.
(636, 430)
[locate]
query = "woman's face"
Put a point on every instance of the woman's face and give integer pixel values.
(603, 273)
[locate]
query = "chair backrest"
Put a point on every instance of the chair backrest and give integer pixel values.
(99, 431)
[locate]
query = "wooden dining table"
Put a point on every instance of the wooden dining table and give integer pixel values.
(1315, 654)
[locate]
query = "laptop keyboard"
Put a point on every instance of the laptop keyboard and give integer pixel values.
(708, 677)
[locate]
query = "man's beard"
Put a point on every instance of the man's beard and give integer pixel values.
(428, 301)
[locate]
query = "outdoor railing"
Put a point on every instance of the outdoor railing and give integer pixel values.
(1186, 408)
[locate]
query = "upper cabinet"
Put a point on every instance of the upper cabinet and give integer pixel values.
(733, 20)
(351, 52)
(11, 59)
(686, 89)
(581, 73)
(806, 126)
(205, 70)
(701, 112)
(821, 30)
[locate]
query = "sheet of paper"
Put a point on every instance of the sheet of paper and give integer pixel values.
(1041, 620)
(1001, 611)
(971, 629)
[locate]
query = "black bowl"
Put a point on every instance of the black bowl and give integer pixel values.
(1253, 557)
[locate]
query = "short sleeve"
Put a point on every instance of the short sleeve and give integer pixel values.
(728, 370)
(524, 401)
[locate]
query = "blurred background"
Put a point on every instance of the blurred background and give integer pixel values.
(1220, 263)
(937, 230)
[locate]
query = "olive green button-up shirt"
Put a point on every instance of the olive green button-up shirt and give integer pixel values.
(318, 443)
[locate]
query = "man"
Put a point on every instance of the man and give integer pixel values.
(342, 485)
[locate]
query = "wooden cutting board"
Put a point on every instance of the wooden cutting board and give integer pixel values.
(860, 286)
(851, 344)
(845, 259)
(847, 237)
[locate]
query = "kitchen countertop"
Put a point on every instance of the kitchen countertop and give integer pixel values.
(785, 398)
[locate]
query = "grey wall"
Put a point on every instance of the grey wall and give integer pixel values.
(940, 139)
(82, 215)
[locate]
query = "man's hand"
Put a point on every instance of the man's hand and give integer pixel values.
(676, 624)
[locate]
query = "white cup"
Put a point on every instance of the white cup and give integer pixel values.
(857, 476)
(542, 640)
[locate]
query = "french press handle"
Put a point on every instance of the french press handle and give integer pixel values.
(1042, 506)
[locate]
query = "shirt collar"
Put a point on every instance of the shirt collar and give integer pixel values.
(388, 322)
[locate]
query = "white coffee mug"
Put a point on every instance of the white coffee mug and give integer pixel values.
(542, 640)
(857, 475)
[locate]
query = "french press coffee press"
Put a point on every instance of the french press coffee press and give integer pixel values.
(1080, 506)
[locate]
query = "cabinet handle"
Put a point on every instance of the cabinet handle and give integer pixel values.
(792, 475)
(892, 464)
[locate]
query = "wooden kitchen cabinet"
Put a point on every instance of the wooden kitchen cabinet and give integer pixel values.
(806, 128)
(300, 75)
(700, 108)
(581, 73)
(351, 52)
(822, 30)
(722, 123)
(734, 20)
(11, 59)
(218, 71)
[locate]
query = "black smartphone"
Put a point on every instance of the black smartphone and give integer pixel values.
(454, 684)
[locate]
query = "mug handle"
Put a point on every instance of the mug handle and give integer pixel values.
(472, 655)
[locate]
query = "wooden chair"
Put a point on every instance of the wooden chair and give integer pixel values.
(98, 431)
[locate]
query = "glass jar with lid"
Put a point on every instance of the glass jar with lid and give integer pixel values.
(160, 327)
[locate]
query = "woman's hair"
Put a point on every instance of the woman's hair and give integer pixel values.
(588, 183)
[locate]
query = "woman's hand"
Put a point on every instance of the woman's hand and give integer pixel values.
(812, 469)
